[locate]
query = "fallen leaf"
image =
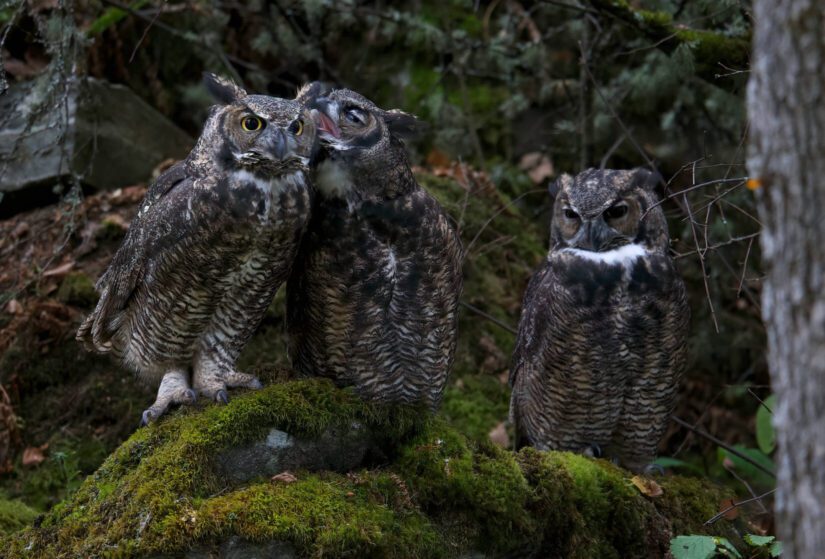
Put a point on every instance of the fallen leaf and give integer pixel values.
(128, 195)
(14, 307)
(21, 229)
(733, 513)
(647, 486)
(115, 221)
(437, 158)
(34, 455)
(30, 67)
(284, 477)
(87, 239)
(61, 270)
(499, 436)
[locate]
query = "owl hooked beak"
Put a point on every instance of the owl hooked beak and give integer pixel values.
(326, 126)
(595, 235)
(275, 143)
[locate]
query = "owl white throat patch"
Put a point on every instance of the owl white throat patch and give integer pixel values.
(622, 256)
(333, 179)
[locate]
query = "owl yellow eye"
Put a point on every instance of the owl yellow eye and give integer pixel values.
(252, 123)
(297, 127)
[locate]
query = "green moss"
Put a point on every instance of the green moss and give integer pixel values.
(326, 514)
(164, 473)
(709, 48)
(475, 404)
(14, 515)
(440, 494)
(77, 289)
(691, 502)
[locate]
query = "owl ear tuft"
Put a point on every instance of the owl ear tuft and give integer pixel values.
(223, 90)
(647, 179)
(404, 125)
(311, 91)
(564, 181)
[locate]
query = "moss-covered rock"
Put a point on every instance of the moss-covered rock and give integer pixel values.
(432, 493)
(14, 515)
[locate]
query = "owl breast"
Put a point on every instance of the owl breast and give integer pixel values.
(601, 344)
(207, 279)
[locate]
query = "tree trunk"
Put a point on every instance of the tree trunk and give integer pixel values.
(786, 101)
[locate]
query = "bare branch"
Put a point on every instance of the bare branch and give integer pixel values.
(724, 445)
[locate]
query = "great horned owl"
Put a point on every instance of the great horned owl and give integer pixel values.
(372, 299)
(602, 337)
(212, 241)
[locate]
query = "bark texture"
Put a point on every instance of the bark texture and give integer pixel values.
(786, 101)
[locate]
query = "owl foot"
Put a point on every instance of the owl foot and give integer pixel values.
(174, 389)
(234, 379)
(592, 450)
(213, 377)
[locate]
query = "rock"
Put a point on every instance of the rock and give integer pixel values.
(337, 450)
(172, 490)
(106, 123)
(14, 515)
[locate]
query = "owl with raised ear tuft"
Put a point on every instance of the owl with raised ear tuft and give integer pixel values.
(212, 241)
(372, 301)
(601, 343)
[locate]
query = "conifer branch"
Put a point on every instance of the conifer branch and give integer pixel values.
(713, 52)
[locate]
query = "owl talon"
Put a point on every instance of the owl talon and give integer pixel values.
(234, 379)
(222, 397)
(593, 450)
(173, 389)
(147, 417)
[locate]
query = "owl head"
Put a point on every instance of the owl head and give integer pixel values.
(358, 135)
(600, 210)
(256, 133)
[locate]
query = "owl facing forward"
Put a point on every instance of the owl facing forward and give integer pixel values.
(212, 241)
(602, 337)
(372, 301)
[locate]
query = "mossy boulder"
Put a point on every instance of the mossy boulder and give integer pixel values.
(14, 515)
(429, 492)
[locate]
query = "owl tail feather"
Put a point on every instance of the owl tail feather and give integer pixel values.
(91, 334)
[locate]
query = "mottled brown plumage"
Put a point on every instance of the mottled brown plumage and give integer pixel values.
(212, 241)
(602, 337)
(372, 300)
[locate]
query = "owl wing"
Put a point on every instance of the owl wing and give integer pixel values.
(157, 226)
(531, 307)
